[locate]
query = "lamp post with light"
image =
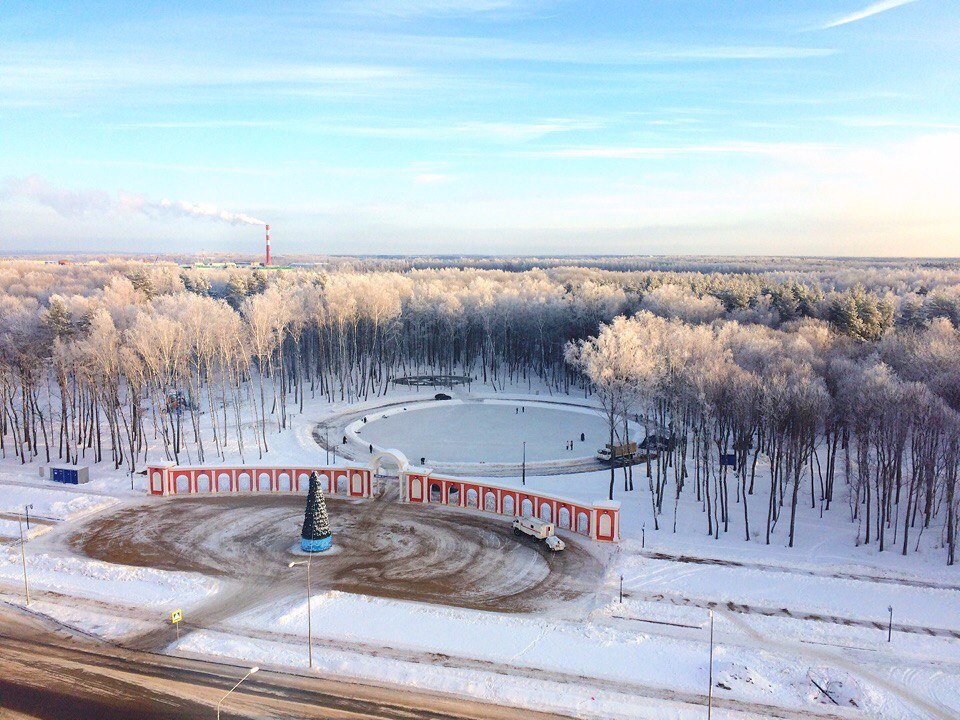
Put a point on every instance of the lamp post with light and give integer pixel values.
(309, 609)
(250, 672)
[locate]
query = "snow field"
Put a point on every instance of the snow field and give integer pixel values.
(764, 665)
(587, 652)
(891, 679)
(800, 593)
(582, 701)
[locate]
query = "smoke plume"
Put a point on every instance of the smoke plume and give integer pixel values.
(72, 203)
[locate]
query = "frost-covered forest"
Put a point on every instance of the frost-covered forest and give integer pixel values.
(822, 372)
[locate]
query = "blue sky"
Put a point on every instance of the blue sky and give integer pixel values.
(482, 126)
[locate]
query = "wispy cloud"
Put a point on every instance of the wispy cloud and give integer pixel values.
(882, 122)
(474, 130)
(413, 8)
(869, 11)
(76, 203)
(473, 48)
(52, 77)
(772, 150)
(178, 167)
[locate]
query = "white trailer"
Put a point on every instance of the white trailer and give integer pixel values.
(623, 453)
(539, 530)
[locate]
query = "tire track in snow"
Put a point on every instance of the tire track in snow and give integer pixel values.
(933, 709)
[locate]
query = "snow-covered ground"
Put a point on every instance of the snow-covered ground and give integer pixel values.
(868, 600)
(645, 657)
(49, 503)
(512, 658)
(117, 585)
(10, 530)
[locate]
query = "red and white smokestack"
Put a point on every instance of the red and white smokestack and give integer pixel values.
(268, 244)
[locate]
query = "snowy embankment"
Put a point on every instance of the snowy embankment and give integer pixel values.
(119, 585)
(106, 624)
(10, 530)
(582, 701)
(51, 504)
(543, 663)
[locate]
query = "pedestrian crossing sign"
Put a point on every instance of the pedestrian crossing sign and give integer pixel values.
(176, 616)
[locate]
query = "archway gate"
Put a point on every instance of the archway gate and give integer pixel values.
(598, 520)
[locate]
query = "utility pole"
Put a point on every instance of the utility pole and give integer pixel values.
(23, 558)
(710, 692)
(523, 476)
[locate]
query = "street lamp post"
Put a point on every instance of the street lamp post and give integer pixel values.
(27, 509)
(327, 445)
(710, 691)
(309, 609)
(23, 558)
(250, 672)
(523, 476)
(890, 624)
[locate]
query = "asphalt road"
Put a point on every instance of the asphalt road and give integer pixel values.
(47, 674)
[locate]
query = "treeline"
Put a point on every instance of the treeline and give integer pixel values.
(815, 408)
(210, 360)
(101, 360)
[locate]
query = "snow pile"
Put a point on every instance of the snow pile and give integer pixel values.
(99, 623)
(10, 530)
(50, 504)
(835, 687)
(96, 580)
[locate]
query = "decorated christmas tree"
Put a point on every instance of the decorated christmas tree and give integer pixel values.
(315, 536)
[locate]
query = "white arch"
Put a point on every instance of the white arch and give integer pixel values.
(389, 454)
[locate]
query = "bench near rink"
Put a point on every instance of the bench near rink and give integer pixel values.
(598, 520)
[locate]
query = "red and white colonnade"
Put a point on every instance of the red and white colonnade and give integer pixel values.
(172, 479)
(598, 520)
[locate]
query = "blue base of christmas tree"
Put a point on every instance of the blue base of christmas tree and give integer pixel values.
(318, 545)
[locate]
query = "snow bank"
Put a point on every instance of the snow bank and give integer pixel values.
(91, 622)
(583, 652)
(586, 700)
(96, 580)
(10, 530)
(51, 504)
